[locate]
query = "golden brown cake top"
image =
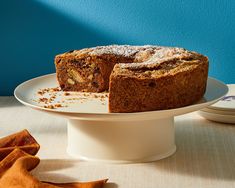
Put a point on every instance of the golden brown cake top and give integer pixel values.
(168, 56)
(147, 56)
(116, 50)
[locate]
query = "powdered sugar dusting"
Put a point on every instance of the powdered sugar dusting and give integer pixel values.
(148, 56)
(163, 55)
(121, 50)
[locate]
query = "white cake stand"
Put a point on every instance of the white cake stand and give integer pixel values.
(94, 134)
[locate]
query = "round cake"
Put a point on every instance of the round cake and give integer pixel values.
(138, 78)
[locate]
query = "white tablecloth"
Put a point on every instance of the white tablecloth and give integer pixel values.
(205, 156)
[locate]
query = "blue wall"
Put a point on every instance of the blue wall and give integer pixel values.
(32, 32)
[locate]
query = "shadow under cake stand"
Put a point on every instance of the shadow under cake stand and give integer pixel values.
(94, 134)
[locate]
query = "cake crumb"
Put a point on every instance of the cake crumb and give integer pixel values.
(49, 106)
(56, 89)
(44, 100)
(58, 105)
(50, 97)
(40, 93)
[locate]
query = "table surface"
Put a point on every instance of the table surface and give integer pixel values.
(205, 154)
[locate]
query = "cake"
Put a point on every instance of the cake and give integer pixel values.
(139, 78)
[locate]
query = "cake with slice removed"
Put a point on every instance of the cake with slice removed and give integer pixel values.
(139, 78)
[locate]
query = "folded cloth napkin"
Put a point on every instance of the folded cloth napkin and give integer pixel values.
(22, 140)
(16, 166)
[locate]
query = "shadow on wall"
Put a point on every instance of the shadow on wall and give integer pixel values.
(32, 35)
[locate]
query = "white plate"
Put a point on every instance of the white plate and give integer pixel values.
(222, 112)
(218, 117)
(227, 103)
(26, 93)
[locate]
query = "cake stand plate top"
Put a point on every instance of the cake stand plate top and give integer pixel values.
(78, 105)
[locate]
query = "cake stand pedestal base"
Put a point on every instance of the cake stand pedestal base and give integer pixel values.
(121, 141)
(94, 134)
